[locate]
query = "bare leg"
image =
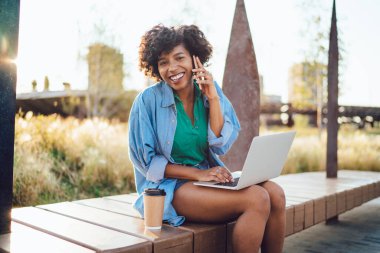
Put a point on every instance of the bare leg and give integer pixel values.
(251, 207)
(275, 229)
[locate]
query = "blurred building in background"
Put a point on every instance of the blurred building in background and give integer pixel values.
(105, 96)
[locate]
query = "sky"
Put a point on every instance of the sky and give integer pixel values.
(55, 35)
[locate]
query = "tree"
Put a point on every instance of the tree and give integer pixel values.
(46, 84)
(105, 80)
(315, 30)
(34, 85)
(304, 80)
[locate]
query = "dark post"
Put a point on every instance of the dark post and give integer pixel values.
(242, 86)
(9, 24)
(332, 103)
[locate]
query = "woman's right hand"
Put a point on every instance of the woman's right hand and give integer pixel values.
(218, 174)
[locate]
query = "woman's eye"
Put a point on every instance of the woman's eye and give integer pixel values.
(162, 63)
(180, 58)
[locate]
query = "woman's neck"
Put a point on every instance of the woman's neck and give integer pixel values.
(187, 94)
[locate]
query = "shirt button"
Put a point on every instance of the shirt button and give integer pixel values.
(168, 142)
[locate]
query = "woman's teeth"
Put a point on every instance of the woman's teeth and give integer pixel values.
(176, 77)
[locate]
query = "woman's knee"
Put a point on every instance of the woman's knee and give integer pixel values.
(277, 196)
(257, 199)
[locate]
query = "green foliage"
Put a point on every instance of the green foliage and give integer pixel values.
(308, 80)
(301, 121)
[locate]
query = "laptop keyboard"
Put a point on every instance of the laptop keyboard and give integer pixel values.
(230, 184)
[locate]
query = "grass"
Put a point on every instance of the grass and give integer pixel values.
(357, 149)
(59, 159)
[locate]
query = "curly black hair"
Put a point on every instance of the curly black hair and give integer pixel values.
(161, 39)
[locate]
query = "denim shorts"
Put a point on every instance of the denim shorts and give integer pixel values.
(203, 165)
(179, 183)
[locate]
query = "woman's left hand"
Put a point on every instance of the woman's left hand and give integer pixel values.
(204, 79)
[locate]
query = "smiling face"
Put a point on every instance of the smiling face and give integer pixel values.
(175, 68)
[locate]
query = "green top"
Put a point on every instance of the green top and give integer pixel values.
(190, 141)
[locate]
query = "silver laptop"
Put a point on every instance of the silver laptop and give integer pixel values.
(265, 160)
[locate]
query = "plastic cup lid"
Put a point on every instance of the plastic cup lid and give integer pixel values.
(154, 192)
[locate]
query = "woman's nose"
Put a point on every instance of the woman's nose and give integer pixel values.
(172, 67)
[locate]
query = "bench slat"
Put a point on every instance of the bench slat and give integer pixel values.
(168, 239)
(299, 215)
(111, 205)
(309, 209)
(319, 203)
(207, 237)
(26, 239)
(78, 232)
(128, 198)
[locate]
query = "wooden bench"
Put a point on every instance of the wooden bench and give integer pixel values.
(110, 224)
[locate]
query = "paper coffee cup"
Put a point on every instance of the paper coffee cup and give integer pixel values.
(153, 208)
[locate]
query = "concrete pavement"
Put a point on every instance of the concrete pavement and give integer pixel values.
(356, 231)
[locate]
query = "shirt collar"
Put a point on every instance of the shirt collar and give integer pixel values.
(197, 90)
(167, 94)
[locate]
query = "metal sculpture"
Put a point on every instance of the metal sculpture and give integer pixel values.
(332, 103)
(242, 86)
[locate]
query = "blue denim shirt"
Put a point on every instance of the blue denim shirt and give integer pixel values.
(152, 126)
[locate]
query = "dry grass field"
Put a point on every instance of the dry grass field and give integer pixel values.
(59, 159)
(63, 159)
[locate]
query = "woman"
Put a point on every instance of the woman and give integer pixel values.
(177, 129)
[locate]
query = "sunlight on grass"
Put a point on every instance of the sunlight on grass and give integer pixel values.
(62, 159)
(357, 149)
(59, 159)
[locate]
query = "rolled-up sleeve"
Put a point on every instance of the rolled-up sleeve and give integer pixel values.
(143, 143)
(230, 130)
(156, 169)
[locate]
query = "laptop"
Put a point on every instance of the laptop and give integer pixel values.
(265, 160)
